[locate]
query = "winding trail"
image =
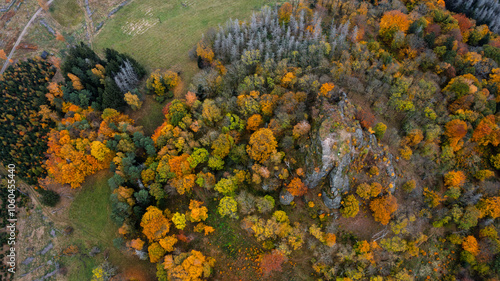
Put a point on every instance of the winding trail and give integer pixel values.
(6, 63)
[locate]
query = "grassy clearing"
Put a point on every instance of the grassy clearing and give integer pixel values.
(159, 34)
(89, 214)
(90, 209)
(149, 116)
(66, 12)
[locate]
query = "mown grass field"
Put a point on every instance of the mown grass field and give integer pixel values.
(165, 31)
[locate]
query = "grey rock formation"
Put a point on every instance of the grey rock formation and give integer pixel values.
(339, 183)
(94, 251)
(391, 173)
(46, 249)
(28, 260)
(285, 197)
(358, 135)
(50, 29)
(330, 202)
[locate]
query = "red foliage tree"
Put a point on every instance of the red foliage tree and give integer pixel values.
(271, 262)
(464, 23)
(365, 118)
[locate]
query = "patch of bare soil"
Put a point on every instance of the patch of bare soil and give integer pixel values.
(363, 225)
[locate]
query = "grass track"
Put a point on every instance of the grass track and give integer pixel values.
(176, 29)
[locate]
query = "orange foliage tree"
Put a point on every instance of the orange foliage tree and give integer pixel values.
(470, 245)
(55, 91)
(168, 243)
(198, 212)
(254, 122)
(2, 54)
(154, 224)
(137, 244)
(285, 12)
(454, 178)
(68, 162)
(392, 22)
(262, 145)
(296, 187)
(184, 184)
(77, 84)
(455, 130)
(59, 37)
(325, 90)
(383, 208)
(465, 24)
(413, 138)
(487, 132)
(180, 165)
(191, 266)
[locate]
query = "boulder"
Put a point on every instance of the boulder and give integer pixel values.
(286, 197)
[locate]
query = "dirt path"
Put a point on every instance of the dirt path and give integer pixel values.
(21, 37)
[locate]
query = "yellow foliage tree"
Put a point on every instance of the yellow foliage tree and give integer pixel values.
(179, 220)
(99, 150)
(133, 101)
(228, 207)
(350, 206)
(156, 252)
(490, 207)
(205, 52)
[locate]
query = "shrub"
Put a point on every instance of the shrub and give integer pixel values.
(49, 198)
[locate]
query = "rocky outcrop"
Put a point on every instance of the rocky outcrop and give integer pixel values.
(337, 141)
(339, 182)
(391, 173)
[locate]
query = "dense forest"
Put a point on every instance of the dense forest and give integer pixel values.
(329, 140)
(24, 128)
